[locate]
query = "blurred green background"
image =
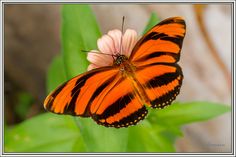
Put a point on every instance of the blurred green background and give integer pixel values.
(42, 50)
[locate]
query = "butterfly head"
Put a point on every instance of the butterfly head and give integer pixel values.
(119, 59)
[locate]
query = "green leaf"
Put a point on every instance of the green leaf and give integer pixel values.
(133, 139)
(79, 32)
(45, 133)
(153, 20)
(98, 138)
(163, 126)
(184, 113)
(25, 101)
(56, 73)
(147, 137)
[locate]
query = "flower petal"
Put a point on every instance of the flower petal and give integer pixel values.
(99, 59)
(106, 44)
(116, 37)
(129, 40)
(92, 66)
(90, 55)
(110, 44)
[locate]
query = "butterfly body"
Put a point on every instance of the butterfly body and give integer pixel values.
(118, 95)
(119, 59)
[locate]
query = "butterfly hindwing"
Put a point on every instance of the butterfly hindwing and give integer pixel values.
(161, 83)
(129, 113)
(118, 104)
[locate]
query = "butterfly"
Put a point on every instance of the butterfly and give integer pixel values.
(119, 95)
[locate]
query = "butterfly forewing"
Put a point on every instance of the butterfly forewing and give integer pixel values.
(162, 44)
(74, 96)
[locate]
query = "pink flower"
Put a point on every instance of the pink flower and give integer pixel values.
(110, 43)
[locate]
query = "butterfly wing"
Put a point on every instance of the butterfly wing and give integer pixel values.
(74, 96)
(161, 44)
(156, 55)
(103, 93)
(161, 83)
(118, 104)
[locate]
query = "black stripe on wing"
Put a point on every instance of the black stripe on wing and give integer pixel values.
(161, 81)
(172, 20)
(166, 99)
(53, 96)
(153, 36)
(157, 34)
(70, 107)
(132, 119)
(75, 92)
(102, 87)
(117, 106)
(178, 40)
(157, 54)
(81, 81)
(162, 36)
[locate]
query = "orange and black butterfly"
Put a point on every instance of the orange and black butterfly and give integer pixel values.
(119, 95)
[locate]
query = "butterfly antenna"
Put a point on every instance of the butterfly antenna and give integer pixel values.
(122, 30)
(98, 53)
(85, 51)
